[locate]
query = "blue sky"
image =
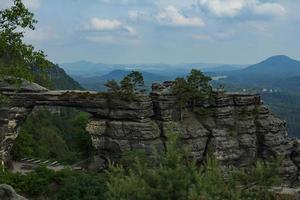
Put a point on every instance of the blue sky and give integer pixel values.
(165, 31)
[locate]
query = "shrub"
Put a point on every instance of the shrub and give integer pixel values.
(172, 176)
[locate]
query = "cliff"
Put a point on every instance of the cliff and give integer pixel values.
(237, 128)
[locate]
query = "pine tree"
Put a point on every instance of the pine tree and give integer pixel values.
(172, 176)
(128, 87)
(194, 89)
(199, 86)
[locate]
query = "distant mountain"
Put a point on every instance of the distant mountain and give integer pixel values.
(273, 72)
(90, 69)
(224, 68)
(98, 82)
(119, 74)
(278, 66)
(86, 68)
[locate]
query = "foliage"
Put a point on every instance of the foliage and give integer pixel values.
(59, 137)
(56, 78)
(175, 177)
(16, 57)
(193, 90)
(66, 184)
(128, 87)
(113, 86)
(199, 84)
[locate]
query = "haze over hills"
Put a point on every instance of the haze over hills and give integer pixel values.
(98, 82)
(93, 76)
(90, 69)
(279, 72)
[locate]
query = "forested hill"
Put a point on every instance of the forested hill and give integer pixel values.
(58, 79)
(61, 80)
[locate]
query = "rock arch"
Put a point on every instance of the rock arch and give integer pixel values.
(238, 127)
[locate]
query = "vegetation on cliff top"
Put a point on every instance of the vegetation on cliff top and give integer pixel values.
(195, 89)
(128, 87)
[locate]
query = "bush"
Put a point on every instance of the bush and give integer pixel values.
(174, 177)
(62, 185)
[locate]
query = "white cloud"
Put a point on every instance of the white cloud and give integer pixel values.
(232, 8)
(104, 24)
(272, 9)
(97, 24)
(112, 39)
(42, 34)
(102, 39)
(128, 2)
(32, 4)
(223, 7)
(172, 17)
(136, 15)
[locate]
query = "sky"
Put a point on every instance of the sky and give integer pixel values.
(165, 31)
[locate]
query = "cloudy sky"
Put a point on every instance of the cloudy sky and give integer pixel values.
(165, 31)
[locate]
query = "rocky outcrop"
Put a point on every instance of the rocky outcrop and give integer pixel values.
(8, 193)
(236, 127)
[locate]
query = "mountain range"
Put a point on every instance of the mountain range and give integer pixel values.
(93, 76)
(277, 72)
(97, 82)
(89, 69)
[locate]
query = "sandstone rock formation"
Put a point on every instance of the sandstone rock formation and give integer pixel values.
(8, 193)
(236, 127)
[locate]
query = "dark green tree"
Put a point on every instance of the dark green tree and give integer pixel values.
(183, 94)
(113, 86)
(173, 176)
(17, 58)
(128, 87)
(195, 89)
(200, 89)
(137, 79)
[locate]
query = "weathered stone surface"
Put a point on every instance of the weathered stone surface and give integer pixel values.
(10, 120)
(8, 193)
(133, 130)
(286, 193)
(26, 86)
(236, 127)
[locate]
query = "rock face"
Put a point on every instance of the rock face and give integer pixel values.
(8, 193)
(236, 127)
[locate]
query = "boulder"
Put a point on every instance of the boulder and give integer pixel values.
(8, 193)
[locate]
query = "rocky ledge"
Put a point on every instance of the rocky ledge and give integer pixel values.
(236, 127)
